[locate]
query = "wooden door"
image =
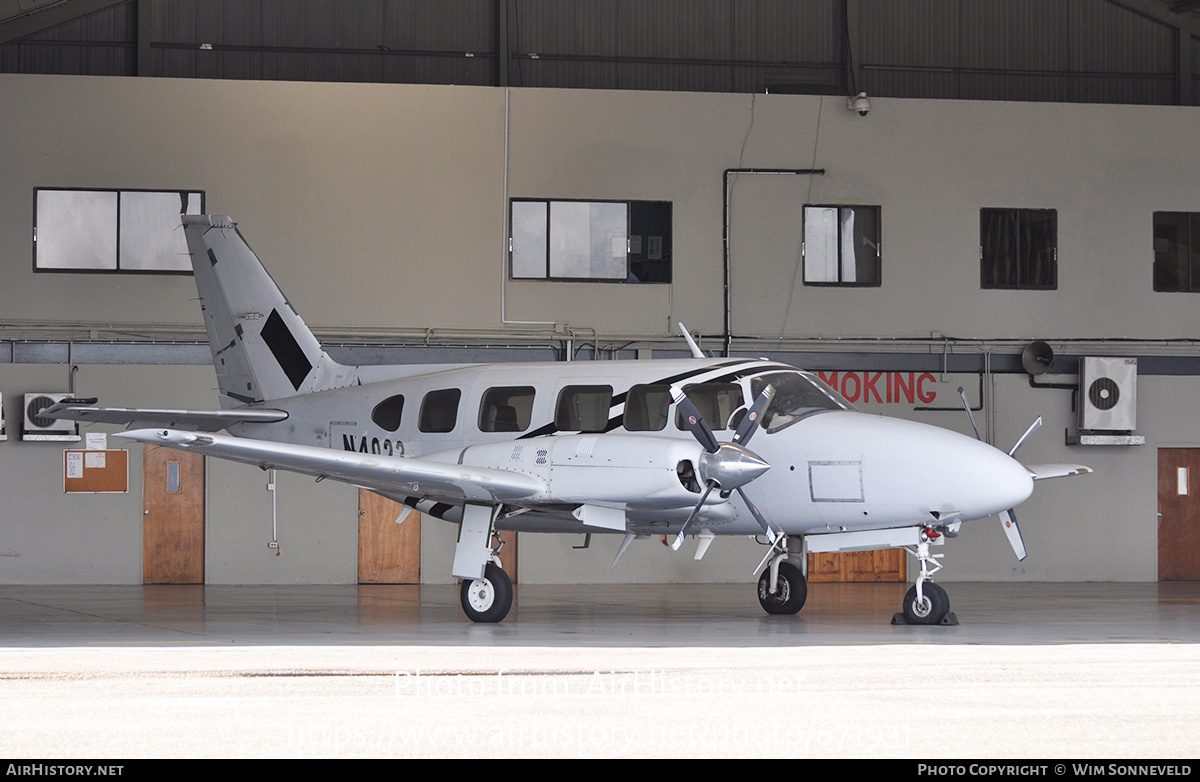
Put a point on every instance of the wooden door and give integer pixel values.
(388, 553)
(1179, 514)
(879, 565)
(172, 516)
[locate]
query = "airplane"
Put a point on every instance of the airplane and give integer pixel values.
(645, 448)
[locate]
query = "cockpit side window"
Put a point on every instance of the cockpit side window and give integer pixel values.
(715, 401)
(797, 395)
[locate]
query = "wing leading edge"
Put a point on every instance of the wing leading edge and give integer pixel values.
(425, 478)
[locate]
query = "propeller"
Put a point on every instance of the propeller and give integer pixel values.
(1008, 518)
(727, 466)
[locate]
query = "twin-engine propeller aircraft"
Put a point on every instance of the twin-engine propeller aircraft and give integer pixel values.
(634, 448)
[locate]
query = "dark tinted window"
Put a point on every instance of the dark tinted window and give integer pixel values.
(1018, 248)
(506, 409)
(386, 414)
(715, 401)
(583, 408)
(646, 408)
(439, 410)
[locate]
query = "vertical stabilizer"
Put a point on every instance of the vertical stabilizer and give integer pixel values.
(261, 348)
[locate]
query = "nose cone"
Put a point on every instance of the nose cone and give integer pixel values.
(732, 466)
(1000, 481)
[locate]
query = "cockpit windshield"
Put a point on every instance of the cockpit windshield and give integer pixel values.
(797, 395)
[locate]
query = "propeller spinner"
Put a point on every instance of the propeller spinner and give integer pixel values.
(726, 466)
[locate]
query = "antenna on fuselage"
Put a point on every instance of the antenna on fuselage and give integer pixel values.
(696, 351)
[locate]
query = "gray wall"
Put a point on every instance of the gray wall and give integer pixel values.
(380, 206)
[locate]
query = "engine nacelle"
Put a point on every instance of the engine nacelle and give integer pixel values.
(613, 470)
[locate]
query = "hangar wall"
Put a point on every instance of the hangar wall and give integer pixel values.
(385, 205)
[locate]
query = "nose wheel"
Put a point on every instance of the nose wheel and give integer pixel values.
(930, 608)
(926, 603)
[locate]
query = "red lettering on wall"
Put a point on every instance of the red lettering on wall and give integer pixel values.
(857, 386)
(869, 383)
(829, 378)
(904, 392)
(922, 394)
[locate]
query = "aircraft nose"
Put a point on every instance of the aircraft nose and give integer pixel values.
(1000, 481)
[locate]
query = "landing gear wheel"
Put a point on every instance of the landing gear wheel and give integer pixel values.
(929, 611)
(487, 599)
(792, 592)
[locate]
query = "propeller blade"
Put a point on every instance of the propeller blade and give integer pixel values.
(1013, 532)
(694, 421)
(967, 406)
(691, 517)
(762, 522)
(753, 419)
(1032, 428)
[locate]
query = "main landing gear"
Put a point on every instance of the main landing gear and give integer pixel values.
(486, 593)
(782, 588)
(487, 599)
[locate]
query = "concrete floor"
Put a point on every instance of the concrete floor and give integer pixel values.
(1032, 671)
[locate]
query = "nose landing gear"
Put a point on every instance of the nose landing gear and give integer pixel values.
(926, 603)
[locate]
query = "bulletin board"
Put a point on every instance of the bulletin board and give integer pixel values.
(95, 472)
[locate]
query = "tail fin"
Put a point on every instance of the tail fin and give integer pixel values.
(261, 348)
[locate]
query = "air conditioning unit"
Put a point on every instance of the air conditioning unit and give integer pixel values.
(38, 427)
(1107, 394)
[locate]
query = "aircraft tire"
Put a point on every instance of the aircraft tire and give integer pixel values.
(934, 609)
(487, 599)
(793, 590)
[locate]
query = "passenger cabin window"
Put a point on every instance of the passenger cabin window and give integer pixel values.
(506, 409)
(715, 401)
(583, 408)
(797, 395)
(646, 408)
(439, 410)
(386, 414)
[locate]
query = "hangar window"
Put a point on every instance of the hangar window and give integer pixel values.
(386, 414)
(646, 407)
(715, 401)
(841, 245)
(604, 241)
(583, 408)
(1018, 248)
(131, 231)
(439, 410)
(1176, 251)
(508, 409)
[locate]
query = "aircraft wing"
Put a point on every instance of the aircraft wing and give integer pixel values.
(425, 478)
(1040, 472)
(198, 420)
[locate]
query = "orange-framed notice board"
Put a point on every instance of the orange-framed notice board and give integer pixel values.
(95, 472)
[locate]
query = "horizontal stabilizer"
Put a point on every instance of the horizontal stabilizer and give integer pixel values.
(199, 420)
(418, 478)
(1041, 472)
